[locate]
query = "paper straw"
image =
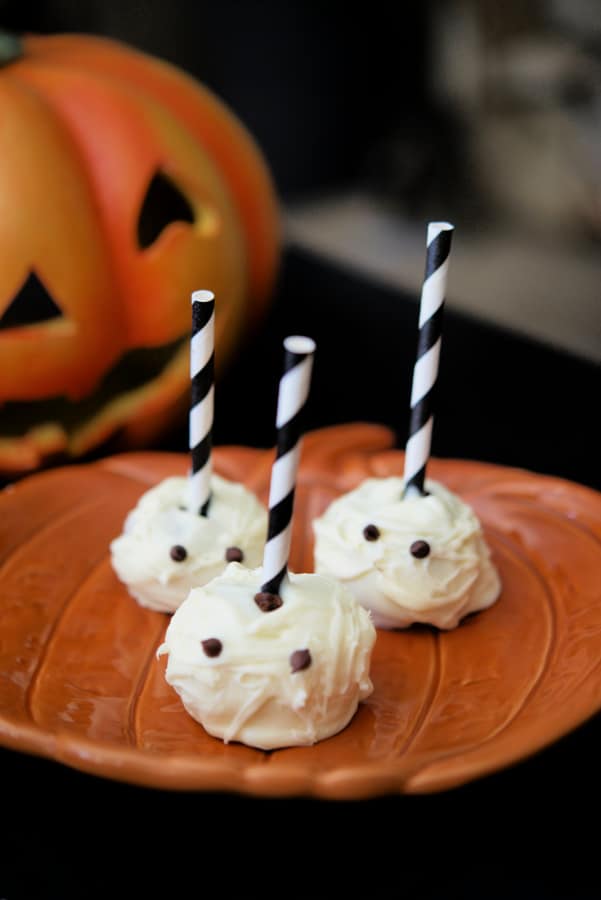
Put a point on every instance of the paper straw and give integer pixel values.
(292, 397)
(202, 346)
(425, 372)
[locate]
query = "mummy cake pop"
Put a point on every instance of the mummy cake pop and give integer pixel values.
(409, 549)
(267, 657)
(270, 677)
(167, 548)
(184, 531)
(407, 557)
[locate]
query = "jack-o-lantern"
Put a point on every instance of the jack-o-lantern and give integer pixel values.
(124, 185)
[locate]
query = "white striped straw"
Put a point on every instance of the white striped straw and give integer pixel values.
(202, 346)
(425, 372)
(292, 397)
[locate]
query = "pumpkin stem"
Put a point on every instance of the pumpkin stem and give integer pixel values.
(11, 48)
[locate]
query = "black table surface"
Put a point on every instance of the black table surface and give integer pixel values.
(529, 831)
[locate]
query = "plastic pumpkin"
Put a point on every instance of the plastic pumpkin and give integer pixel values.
(124, 185)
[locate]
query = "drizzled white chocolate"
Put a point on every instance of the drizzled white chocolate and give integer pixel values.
(142, 556)
(291, 676)
(454, 577)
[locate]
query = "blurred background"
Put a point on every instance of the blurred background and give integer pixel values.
(485, 113)
(482, 112)
(373, 122)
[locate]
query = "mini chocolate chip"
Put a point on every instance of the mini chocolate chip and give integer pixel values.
(183, 508)
(178, 553)
(419, 549)
(267, 602)
(234, 554)
(371, 532)
(212, 646)
(299, 660)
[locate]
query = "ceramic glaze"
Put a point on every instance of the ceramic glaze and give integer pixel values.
(79, 681)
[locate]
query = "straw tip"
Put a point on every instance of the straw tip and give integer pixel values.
(202, 296)
(297, 343)
(435, 228)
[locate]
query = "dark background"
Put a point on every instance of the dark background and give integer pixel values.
(318, 83)
(529, 832)
(327, 90)
(501, 397)
(338, 97)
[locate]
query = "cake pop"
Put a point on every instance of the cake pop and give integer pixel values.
(184, 531)
(412, 558)
(267, 657)
(409, 549)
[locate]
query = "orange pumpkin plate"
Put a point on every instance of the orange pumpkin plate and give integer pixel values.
(80, 682)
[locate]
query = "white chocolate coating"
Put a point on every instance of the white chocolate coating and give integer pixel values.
(249, 692)
(141, 555)
(456, 578)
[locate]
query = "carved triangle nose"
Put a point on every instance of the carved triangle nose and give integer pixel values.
(31, 306)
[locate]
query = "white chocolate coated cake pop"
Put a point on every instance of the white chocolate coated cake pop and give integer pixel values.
(418, 558)
(183, 532)
(265, 657)
(270, 675)
(410, 550)
(166, 548)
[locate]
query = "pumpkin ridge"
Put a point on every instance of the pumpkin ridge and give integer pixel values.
(47, 526)
(139, 687)
(155, 106)
(146, 468)
(73, 96)
(550, 605)
(51, 146)
(180, 93)
(33, 76)
(30, 692)
(18, 74)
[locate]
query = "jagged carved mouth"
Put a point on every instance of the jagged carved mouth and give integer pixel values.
(133, 370)
(34, 305)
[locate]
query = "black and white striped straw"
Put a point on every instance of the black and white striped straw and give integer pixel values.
(425, 372)
(292, 397)
(202, 346)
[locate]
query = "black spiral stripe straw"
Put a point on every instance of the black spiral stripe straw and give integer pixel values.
(425, 371)
(202, 345)
(292, 397)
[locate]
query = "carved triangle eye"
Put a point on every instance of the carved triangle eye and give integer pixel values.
(164, 203)
(31, 306)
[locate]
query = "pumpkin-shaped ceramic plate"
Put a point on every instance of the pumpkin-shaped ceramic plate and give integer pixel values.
(80, 682)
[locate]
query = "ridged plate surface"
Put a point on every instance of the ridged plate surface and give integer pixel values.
(79, 681)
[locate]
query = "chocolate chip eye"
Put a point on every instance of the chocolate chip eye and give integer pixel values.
(212, 647)
(419, 549)
(178, 553)
(371, 532)
(234, 554)
(299, 660)
(164, 203)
